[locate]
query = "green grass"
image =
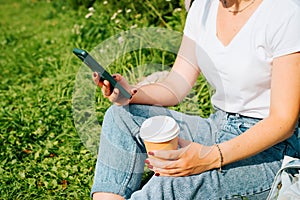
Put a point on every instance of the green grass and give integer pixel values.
(41, 154)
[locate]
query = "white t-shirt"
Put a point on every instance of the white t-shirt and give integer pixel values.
(241, 71)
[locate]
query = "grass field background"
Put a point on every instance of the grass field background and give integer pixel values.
(41, 153)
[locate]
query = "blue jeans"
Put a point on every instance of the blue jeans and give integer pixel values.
(120, 163)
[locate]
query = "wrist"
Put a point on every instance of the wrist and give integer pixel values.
(212, 156)
(220, 156)
(216, 157)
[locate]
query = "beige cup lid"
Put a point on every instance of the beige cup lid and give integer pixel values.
(159, 129)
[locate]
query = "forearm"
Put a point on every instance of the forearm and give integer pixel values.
(177, 84)
(168, 92)
(172, 89)
(284, 113)
(263, 135)
(155, 94)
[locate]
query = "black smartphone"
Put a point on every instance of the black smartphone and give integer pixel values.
(96, 67)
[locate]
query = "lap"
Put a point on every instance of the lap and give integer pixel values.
(250, 178)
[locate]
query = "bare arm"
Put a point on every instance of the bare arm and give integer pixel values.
(177, 84)
(195, 158)
(168, 92)
(284, 113)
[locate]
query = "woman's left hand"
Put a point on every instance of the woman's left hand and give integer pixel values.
(191, 158)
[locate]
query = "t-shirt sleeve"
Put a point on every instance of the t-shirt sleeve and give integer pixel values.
(190, 23)
(284, 33)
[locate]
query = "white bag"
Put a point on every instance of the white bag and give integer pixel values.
(286, 185)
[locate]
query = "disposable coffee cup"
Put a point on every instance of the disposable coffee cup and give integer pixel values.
(160, 133)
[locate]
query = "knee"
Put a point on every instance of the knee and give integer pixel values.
(119, 118)
(121, 114)
(113, 112)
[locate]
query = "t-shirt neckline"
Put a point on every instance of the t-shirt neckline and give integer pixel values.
(240, 32)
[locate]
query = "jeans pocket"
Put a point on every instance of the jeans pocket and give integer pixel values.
(242, 127)
(245, 124)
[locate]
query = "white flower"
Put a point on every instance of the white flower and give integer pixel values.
(91, 9)
(133, 26)
(88, 15)
(105, 2)
(177, 10)
(128, 10)
(114, 16)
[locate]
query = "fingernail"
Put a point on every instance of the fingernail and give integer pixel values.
(114, 76)
(150, 153)
(147, 162)
(134, 91)
(150, 166)
(95, 74)
(157, 174)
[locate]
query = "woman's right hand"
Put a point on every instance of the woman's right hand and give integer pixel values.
(114, 96)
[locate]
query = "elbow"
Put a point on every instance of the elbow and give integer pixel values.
(172, 101)
(285, 123)
(289, 134)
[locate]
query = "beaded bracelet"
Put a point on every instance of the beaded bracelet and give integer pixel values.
(221, 157)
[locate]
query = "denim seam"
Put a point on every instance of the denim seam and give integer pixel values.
(245, 194)
(124, 188)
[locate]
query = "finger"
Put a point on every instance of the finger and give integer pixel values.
(97, 79)
(117, 77)
(161, 164)
(167, 154)
(174, 169)
(106, 88)
(171, 172)
(114, 95)
(133, 91)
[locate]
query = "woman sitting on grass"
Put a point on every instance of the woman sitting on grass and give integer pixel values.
(249, 51)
